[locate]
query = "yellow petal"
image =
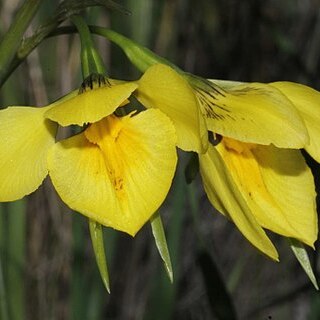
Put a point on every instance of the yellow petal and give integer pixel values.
(163, 88)
(277, 186)
(255, 113)
(90, 106)
(26, 137)
(226, 198)
(290, 183)
(307, 101)
(122, 176)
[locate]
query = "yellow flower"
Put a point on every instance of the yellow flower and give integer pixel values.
(256, 175)
(117, 171)
(262, 181)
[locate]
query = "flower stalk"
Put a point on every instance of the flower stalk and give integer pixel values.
(91, 63)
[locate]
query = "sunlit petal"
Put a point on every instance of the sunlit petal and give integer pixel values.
(25, 137)
(255, 113)
(119, 171)
(277, 186)
(163, 88)
(90, 106)
(223, 193)
(290, 183)
(307, 101)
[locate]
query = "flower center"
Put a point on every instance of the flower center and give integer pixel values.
(237, 146)
(105, 133)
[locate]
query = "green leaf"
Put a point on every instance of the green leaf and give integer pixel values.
(12, 38)
(98, 248)
(161, 243)
(301, 254)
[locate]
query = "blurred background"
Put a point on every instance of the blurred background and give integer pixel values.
(47, 268)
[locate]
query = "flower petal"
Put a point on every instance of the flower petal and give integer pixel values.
(163, 88)
(26, 137)
(224, 195)
(277, 186)
(255, 113)
(307, 101)
(290, 183)
(122, 176)
(90, 106)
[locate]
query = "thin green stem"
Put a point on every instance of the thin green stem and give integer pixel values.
(140, 56)
(91, 61)
(12, 39)
(65, 10)
(149, 58)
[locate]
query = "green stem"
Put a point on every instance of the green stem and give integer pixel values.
(134, 54)
(140, 56)
(91, 61)
(12, 39)
(65, 10)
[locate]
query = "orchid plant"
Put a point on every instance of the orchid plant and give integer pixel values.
(118, 167)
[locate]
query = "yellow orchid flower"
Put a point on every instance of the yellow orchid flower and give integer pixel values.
(117, 171)
(263, 181)
(256, 176)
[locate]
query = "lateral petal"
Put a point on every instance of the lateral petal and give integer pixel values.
(119, 171)
(163, 88)
(252, 112)
(307, 101)
(90, 106)
(26, 137)
(290, 183)
(277, 186)
(224, 195)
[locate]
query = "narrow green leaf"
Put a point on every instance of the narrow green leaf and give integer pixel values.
(12, 38)
(302, 256)
(161, 243)
(98, 248)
